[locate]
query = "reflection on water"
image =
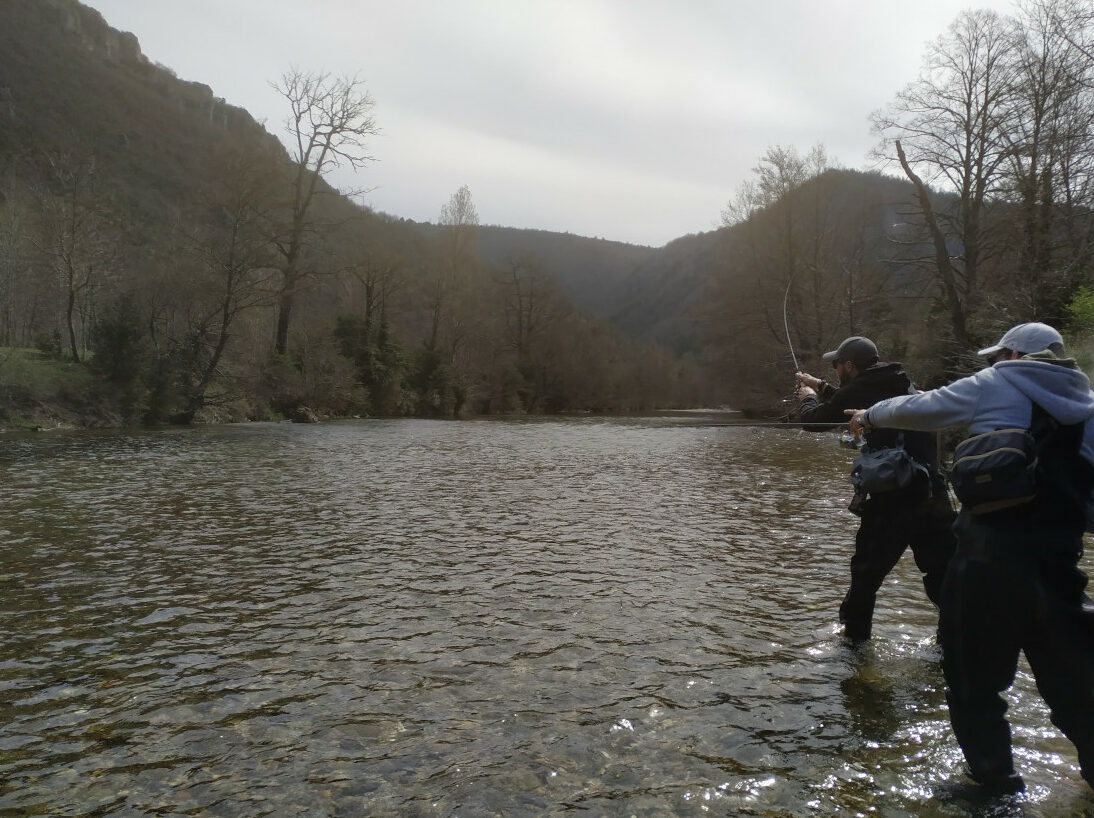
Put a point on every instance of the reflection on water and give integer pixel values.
(477, 618)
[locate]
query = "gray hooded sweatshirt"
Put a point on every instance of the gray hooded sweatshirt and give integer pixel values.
(999, 397)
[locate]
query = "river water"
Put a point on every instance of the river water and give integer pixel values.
(484, 618)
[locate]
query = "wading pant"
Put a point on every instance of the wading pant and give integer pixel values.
(889, 525)
(1006, 593)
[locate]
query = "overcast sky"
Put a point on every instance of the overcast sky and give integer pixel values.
(632, 120)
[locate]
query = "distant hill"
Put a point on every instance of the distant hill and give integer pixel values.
(106, 95)
(384, 322)
(651, 294)
(161, 129)
(70, 83)
(590, 272)
(663, 297)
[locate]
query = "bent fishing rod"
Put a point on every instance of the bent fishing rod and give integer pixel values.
(786, 324)
(784, 420)
(789, 342)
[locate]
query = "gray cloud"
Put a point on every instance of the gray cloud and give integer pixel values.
(626, 119)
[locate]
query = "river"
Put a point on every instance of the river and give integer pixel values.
(481, 618)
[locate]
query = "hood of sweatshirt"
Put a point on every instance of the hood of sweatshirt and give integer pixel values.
(1057, 386)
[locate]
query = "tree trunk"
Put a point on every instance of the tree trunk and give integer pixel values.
(946, 274)
(71, 308)
(284, 313)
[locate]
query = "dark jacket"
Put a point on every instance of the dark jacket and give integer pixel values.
(880, 381)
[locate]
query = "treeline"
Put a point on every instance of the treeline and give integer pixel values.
(252, 289)
(990, 224)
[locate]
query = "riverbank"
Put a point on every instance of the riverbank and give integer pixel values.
(38, 391)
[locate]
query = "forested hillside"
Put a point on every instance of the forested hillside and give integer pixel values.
(164, 258)
(193, 268)
(987, 225)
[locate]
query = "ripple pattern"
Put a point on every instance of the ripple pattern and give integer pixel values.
(482, 618)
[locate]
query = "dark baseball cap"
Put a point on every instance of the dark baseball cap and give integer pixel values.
(858, 350)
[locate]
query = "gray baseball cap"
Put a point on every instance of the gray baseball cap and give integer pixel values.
(858, 350)
(1025, 338)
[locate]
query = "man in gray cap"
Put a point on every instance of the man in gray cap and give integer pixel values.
(1014, 585)
(918, 515)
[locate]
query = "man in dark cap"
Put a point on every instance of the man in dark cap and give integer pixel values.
(919, 515)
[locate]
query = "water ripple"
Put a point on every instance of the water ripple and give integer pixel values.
(630, 617)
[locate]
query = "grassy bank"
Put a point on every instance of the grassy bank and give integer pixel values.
(39, 391)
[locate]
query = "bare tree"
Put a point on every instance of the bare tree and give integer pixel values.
(14, 259)
(530, 303)
(947, 129)
(954, 287)
(329, 123)
(745, 203)
(79, 236)
(450, 281)
(236, 267)
(1072, 21)
(376, 270)
(459, 220)
(794, 267)
(1051, 161)
(371, 277)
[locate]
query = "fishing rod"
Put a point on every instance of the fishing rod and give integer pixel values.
(786, 324)
(845, 439)
(786, 424)
(786, 328)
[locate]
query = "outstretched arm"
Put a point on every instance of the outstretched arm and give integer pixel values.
(926, 411)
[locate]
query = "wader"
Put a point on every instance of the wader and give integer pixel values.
(890, 524)
(1014, 585)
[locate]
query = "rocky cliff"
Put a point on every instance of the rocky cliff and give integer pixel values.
(72, 39)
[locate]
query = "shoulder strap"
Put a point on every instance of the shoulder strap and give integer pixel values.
(895, 437)
(1065, 478)
(1042, 425)
(1052, 437)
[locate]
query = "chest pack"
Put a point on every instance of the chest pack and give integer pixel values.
(995, 470)
(1009, 468)
(882, 470)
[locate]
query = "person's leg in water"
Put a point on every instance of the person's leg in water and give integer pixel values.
(882, 537)
(981, 626)
(933, 541)
(1060, 650)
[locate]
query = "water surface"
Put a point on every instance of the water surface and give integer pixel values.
(587, 617)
